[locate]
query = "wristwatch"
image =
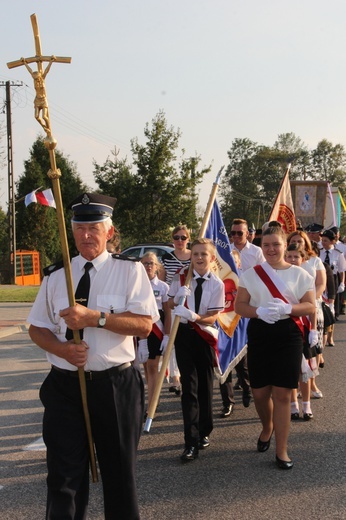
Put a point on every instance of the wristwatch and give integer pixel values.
(102, 321)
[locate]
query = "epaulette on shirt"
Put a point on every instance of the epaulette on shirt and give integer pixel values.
(52, 268)
(118, 256)
(338, 250)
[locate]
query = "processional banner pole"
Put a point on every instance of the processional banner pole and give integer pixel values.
(42, 116)
(175, 325)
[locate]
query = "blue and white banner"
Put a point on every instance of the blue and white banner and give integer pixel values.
(232, 328)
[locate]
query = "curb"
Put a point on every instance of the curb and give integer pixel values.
(8, 331)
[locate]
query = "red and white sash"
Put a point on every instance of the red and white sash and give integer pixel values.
(208, 333)
(158, 329)
(278, 289)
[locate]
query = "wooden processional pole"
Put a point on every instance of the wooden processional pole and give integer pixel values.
(42, 116)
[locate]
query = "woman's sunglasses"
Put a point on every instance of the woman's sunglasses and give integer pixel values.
(178, 237)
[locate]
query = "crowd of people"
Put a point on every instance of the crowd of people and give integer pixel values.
(303, 310)
(291, 291)
(292, 310)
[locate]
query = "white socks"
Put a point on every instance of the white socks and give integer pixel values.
(294, 407)
(306, 407)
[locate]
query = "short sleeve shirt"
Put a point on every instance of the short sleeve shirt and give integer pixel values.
(116, 286)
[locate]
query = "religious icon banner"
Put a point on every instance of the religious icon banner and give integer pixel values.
(309, 200)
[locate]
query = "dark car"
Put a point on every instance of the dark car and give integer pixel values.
(138, 250)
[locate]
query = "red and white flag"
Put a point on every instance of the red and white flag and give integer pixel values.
(283, 210)
(44, 197)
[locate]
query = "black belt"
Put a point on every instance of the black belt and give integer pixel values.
(98, 374)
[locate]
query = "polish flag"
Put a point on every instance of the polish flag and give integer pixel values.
(44, 197)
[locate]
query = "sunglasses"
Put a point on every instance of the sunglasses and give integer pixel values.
(178, 237)
(148, 264)
(238, 233)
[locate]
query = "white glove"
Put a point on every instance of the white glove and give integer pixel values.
(143, 351)
(183, 291)
(332, 308)
(313, 338)
(268, 314)
(183, 312)
(341, 288)
(282, 307)
(164, 344)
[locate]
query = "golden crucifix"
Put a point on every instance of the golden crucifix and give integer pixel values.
(39, 76)
(42, 116)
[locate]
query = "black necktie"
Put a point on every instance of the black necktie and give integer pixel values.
(198, 293)
(327, 259)
(82, 295)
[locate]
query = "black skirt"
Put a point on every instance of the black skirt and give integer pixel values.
(274, 353)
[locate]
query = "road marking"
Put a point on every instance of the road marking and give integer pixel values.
(37, 445)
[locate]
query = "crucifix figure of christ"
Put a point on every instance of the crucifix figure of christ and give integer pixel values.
(39, 76)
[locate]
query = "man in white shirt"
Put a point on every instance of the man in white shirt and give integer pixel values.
(115, 303)
(335, 258)
(250, 255)
(340, 246)
(314, 233)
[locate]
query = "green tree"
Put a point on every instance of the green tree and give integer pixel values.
(2, 146)
(4, 245)
(114, 178)
(240, 192)
(295, 152)
(36, 225)
(254, 174)
(4, 248)
(329, 163)
(158, 191)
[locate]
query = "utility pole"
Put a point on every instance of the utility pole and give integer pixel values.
(11, 200)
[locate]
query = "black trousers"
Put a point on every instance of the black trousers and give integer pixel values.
(195, 358)
(226, 388)
(116, 407)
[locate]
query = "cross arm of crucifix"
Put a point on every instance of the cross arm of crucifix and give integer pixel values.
(33, 59)
(39, 58)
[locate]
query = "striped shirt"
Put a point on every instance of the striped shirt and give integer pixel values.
(171, 264)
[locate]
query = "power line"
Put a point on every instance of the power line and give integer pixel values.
(69, 120)
(246, 198)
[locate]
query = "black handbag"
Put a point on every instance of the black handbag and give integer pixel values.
(309, 352)
(329, 318)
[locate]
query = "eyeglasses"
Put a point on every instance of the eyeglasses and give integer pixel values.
(178, 237)
(148, 264)
(238, 233)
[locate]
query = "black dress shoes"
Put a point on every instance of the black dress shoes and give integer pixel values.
(307, 416)
(204, 442)
(263, 445)
(284, 464)
(246, 400)
(190, 453)
(175, 390)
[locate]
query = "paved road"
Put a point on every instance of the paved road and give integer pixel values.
(229, 480)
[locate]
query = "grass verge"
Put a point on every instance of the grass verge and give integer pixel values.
(18, 293)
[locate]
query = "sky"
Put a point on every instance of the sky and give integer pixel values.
(219, 69)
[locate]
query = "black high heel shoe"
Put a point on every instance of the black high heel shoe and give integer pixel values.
(284, 464)
(263, 445)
